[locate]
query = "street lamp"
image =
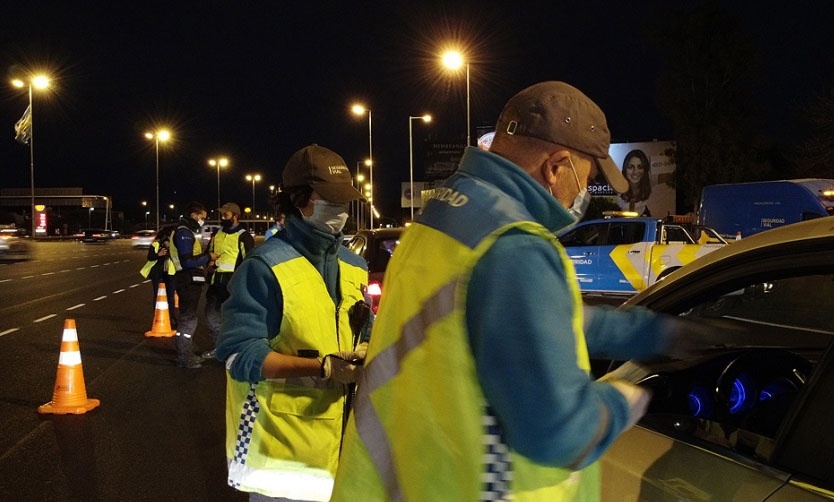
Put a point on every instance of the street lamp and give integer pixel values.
(360, 110)
(253, 178)
(454, 60)
(146, 218)
(162, 135)
(221, 162)
(90, 217)
(425, 118)
(24, 129)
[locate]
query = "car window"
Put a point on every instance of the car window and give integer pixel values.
(770, 336)
(625, 233)
(585, 235)
(803, 302)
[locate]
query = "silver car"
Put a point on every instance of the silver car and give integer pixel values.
(748, 417)
(14, 244)
(142, 238)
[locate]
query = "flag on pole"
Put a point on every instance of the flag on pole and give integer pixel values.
(23, 127)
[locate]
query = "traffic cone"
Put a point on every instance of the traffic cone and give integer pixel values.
(161, 319)
(70, 393)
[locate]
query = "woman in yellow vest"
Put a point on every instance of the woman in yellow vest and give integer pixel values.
(287, 340)
(477, 383)
(160, 269)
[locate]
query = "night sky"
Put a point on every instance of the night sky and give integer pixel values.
(257, 80)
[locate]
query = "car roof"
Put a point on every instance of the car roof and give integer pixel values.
(812, 234)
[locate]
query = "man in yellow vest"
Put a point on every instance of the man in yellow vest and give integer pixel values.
(231, 244)
(288, 338)
(477, 381)
(190, 262)
(160, 269)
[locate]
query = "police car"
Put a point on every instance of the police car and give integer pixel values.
(623, 255)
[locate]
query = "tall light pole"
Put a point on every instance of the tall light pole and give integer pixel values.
(425, 118)
(360, 110)
(253, 178)
(220, 162)
(454, 60)
(162, 135)
(38, 82)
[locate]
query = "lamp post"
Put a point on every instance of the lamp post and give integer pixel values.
(253, 178)
(425, 118)
(162, 135)
(146, 218)
(221, 162)
(454, 60)
(38, 82)
(90, 218)
(360, 110)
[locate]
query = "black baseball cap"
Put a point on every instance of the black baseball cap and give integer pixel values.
(324, 171)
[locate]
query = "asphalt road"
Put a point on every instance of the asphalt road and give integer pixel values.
(159, 431)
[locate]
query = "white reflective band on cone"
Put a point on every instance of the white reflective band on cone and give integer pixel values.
(70, 358)
(70, 335)
(161, 305)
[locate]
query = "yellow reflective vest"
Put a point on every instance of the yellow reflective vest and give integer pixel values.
(283, 435)
(175, 254)
(422, 429)
(228, 247)
(169, 264)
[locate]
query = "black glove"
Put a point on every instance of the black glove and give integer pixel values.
(358, 316)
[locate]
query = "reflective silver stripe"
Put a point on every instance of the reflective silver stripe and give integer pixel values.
(384, 367)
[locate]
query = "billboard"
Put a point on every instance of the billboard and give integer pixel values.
(649, 169)
(406, 195)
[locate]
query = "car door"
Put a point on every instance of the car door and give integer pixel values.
(622, 262)
(582, 246)
(752, 422)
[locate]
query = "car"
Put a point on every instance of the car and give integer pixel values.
(376, 246)
(93, 235)
(14, 244)
(747, 416)
(205, 233)
(142, 238)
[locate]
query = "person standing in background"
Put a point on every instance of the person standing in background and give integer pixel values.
(190, 263)
(231, 244)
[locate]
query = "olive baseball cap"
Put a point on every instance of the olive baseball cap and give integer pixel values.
(560, 113)
(324, 171)
(231, 207)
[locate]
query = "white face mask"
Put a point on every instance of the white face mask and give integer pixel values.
(200, 222)
(580, 202)
(327, 216)
(582, 199)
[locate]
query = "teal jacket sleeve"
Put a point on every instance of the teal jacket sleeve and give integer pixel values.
(519, 317)
(251, 316)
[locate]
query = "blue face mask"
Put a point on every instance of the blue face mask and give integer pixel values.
(328, 217)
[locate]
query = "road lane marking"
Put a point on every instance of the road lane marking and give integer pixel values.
(76, 306)
(48, 273)
(65, 270)
(27, 276)
(5, 280)
(8, 331)
(132, 286)
(80, 268)
(93, 266)
(99, 298)
(50, 316)
(117, 291)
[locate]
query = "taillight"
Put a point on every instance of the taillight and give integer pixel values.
(374, 291)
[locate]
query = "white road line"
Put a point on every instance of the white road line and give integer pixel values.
(48, 273)
(132, 285)
(99, 298)
(76, 306)
(50, 316)
(93, 266)
(5, 280)
(80, 268)
(117, 291)
(8, 331)
(65, 270)
(27, 276)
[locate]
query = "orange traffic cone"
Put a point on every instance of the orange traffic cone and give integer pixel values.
(161, 319)
(70, 393)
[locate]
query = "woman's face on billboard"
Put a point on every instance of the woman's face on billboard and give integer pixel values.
(635, 170)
